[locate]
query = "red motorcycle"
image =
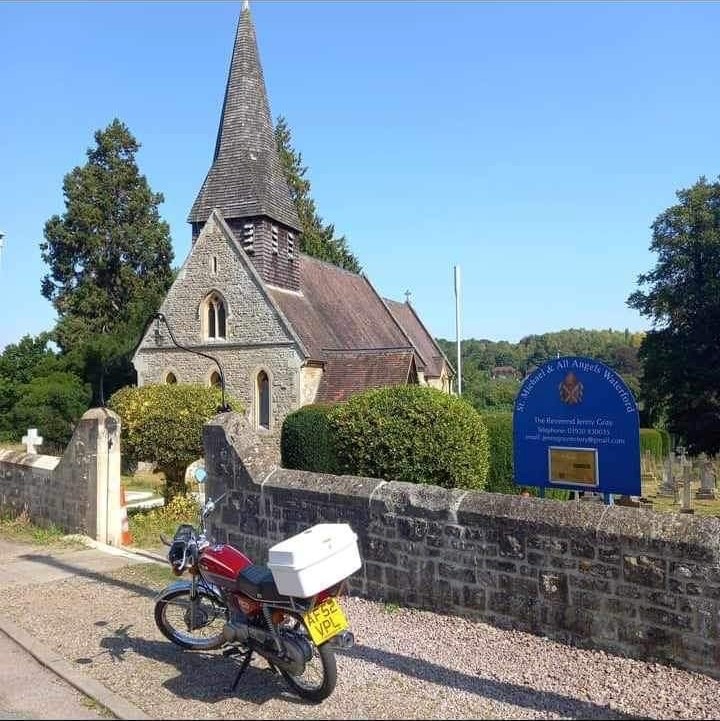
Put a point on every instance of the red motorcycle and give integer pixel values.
(287, 612)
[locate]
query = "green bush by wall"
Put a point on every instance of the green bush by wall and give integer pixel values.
(500, 441)
(306, 441)
(164, 424)
(651, 441)
(414, 434)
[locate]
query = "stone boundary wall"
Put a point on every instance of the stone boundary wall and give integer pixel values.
(79, 492)
(627, 580)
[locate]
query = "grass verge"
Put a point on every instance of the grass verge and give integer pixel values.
(21, 528)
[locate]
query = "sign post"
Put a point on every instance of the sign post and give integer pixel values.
(576, 426)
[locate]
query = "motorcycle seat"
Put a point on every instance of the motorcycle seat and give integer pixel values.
(258, 583)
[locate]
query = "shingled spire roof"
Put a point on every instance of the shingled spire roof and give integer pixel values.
(246, 177)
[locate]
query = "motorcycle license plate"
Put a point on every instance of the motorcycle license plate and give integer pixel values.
(325, 621)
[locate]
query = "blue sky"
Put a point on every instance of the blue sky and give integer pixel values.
(532, 144)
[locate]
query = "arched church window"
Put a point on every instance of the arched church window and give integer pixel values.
(262, 399)
(215, 379)
(170, 378)
(215, 316)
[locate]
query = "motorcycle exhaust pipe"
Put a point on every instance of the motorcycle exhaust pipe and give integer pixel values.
(242, 633)
(259, 640)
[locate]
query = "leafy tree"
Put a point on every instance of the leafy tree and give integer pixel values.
(318, 238)
(53, 403)
(22, 361)
(38, 389)
(163, 424)
(109, 255)
(681, 355)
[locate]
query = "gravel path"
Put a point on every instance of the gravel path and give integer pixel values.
(407, 664)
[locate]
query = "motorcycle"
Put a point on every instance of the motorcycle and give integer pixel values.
(229, 602)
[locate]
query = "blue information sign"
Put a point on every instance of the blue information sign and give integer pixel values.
(576, 426)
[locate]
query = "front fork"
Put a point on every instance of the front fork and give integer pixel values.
(194, 595)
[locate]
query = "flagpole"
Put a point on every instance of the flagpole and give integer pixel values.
(457, 329)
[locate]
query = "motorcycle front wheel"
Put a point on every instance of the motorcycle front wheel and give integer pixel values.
(319, 676)
(195, 624)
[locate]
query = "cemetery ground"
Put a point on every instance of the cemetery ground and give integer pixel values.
(96, 613)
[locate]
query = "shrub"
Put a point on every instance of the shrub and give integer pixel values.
(651, 441)
(163, 424)
(411, 433)
(306, 440)
(500, 440)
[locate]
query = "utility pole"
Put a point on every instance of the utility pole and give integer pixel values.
(457, 329)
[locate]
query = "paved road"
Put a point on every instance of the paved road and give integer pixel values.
(30, 691)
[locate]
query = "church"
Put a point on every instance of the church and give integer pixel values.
(287, 328)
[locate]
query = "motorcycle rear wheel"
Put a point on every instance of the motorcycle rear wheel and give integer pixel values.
(319, 677)
(196, 624)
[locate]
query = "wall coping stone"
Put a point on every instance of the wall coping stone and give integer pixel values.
(21, 458)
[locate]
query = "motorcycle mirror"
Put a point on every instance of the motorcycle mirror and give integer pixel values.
(200, 475)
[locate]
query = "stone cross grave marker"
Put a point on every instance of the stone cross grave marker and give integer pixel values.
(707, 479)
(687, 495)
(668, 488)
(31, 440)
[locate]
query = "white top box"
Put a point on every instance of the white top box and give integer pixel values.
(311, 561)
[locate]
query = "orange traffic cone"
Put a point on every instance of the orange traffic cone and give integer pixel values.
(126, 538)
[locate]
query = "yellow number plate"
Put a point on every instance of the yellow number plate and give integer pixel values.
(325, 621)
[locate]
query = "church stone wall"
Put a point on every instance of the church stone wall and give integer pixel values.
(241, 366)
(309, 383)
(256, 338)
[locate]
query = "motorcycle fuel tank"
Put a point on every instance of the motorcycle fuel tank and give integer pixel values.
(221, 564)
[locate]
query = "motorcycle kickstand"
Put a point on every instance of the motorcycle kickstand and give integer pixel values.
(246, 657)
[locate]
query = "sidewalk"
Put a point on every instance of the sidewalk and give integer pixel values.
(35, 682)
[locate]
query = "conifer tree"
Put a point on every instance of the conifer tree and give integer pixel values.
(110, 258)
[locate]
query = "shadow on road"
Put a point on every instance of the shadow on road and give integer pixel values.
(202, 676)
(100, 577)
(505, 692)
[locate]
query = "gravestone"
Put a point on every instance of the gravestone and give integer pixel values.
(668, 488)
(687, 496)
(707, 479)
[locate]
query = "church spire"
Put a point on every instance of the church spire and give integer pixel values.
(246, 177)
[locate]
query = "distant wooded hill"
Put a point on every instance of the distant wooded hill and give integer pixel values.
(493, 370)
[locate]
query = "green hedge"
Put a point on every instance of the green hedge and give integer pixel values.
(500, 440)
(651, 441)
(414, 434)
(306, 440)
